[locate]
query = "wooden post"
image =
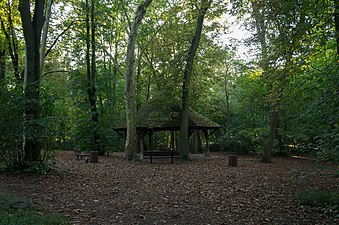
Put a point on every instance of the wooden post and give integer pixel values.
(233, 160)
(94, 157)
(207, 151)
(172, 140)
(142, 146)
(150, 133)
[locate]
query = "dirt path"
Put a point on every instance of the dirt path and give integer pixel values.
(204, 191)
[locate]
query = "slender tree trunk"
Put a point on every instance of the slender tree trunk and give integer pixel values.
(149, 78)
(114, 80)
(91, 72)
(269, 145)
(130, 92)
(336, 21)
(258, 10)
(93, 97)
(2, 62)
(138, 75)
(15, 55)
(183, 136)
(199, 142)
(227, 98)
(88, 47)
(12, 42)
(44, 35)
(32, 34)
(194, 143)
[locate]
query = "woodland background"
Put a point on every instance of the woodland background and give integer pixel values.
(289, 79)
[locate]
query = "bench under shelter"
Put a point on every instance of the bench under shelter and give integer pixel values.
(153, 118)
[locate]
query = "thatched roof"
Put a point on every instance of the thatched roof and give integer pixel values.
(158, 117)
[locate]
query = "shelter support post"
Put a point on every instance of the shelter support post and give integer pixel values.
(150, 140)
(207, 150)
(172, 140)
(141, 143)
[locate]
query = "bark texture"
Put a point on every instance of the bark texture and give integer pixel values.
(183, 136)
(258, 13)
(91, 75)
(2, 62)
(270, 142)
(32, 33)
(336, 21)
(44, 35)
(130, 92)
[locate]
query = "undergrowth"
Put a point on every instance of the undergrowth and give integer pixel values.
(14, 211)
(38, 167)
(326, 202)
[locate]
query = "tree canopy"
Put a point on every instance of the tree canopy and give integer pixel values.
(71, 90)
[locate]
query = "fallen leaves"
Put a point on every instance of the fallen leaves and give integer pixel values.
(204, 191)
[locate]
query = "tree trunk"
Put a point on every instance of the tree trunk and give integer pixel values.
(91, 72)
(183, 136)
(258, 10)
(2, 62)
(199, 142)
(44, 36)
(130, 92)
(149, 78)
(336, 21)
(12, 42)
(32, 34)
(93, 97)
(138, 75)
(227, 98)
(14, 45)
(194, 143)
(269, 146)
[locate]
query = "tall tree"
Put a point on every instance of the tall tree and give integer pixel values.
(336, 21)
(2, 60)
(91, 73)
(8, 29)
(45, 34)
(130, 92)
(258, 12)
(183, 136)
(94, 110)
(32, 27)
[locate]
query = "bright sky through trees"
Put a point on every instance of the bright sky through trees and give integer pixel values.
(236, 36)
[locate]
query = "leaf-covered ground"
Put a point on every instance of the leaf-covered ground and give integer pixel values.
(204, 191)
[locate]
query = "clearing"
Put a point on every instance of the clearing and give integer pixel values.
(204, 191)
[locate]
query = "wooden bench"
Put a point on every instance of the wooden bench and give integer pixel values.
(161, 154)
(79, 154)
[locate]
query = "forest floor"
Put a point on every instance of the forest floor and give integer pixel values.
(203, 191)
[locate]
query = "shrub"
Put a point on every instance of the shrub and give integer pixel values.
(26, 167)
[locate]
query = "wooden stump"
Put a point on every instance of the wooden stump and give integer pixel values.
(94, 157)
(233, 160)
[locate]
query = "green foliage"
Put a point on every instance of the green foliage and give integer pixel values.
(80, 128)
(245, 140)
(27, 167)
(12, 101)
(301, 78)
(12, 213)
(327, 202)
(295, 72)
(317, 198)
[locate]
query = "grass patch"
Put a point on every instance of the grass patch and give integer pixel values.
(317, 198)
(14, 211)
(326, 202)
